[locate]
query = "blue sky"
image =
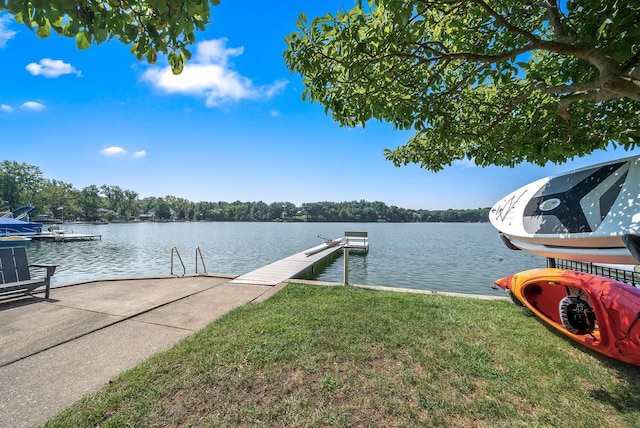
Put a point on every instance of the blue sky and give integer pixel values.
(232, 127)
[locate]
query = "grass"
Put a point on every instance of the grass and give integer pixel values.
(343, 356)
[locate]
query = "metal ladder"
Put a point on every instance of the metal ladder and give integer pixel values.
(174, 250)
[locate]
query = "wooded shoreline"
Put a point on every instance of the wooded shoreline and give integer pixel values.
(24, 184)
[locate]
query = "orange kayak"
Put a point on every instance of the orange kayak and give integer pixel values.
(600, 313)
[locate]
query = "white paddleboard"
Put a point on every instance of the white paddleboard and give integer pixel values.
(590, 214)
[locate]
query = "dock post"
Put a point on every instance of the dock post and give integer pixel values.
(346, 265)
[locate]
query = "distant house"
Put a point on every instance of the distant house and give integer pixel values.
(46, 218)
(151, 215)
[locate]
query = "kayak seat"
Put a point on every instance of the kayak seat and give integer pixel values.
(576, 315)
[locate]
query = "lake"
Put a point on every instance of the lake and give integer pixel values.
(457, 257)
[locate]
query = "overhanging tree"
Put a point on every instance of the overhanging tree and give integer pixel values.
(500, 82)
(150, 26)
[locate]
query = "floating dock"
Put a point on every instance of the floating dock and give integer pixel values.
(64, 237)
(277, 272)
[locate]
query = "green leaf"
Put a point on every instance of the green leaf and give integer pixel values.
(71, 28)
(176, 61)
(302, 20)
(100, 35)
(162, 7)
(44, 30)
(26, 16)
(131, 31)
(83, 40)
(152, 57)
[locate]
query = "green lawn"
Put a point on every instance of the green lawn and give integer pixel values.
(344, 356)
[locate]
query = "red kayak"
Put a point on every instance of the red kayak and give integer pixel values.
(600, 313)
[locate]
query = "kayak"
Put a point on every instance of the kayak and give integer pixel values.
(329, 243)
(599, 313)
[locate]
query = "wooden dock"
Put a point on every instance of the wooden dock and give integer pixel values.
(277, 272)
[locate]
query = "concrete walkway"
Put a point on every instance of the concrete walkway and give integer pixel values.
(54, 351)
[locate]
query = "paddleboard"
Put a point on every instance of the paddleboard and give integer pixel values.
(589, 214)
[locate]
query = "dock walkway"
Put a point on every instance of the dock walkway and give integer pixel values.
(286, 268)
(291, 266)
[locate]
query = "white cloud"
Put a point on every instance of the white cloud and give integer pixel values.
(113, 151)
(278, 86)
(214, 51)
(119, 151)
(465, 163)
(5, 33)
(51, 68)
(33, 106)
(5, 108)
(209, 75)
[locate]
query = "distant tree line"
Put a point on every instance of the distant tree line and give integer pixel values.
(24, 184)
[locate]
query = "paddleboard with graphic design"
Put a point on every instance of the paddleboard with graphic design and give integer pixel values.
(589, 214)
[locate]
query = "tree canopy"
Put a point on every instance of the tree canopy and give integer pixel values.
(499, 82)
(18, 183)
(150, 26)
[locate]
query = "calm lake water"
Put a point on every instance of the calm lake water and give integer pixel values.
(458, 257)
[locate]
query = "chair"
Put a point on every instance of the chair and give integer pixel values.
(15, 275)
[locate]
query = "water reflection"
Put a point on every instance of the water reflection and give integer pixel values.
(438, 256)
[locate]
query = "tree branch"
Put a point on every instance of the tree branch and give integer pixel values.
(502, 20)
(555, 19)
(621, 87)
(630, 66)
(510, 107)
(563, 107)
(488, 58)
(569, 89)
